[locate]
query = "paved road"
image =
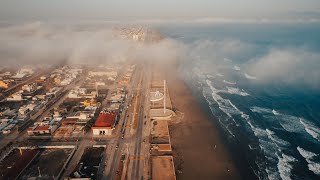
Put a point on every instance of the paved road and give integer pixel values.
(121, 131)
(138, 166)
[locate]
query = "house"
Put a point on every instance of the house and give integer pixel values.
(20, 76)
(4, 84)
(15, 97)
(105, 123)
(47, 127)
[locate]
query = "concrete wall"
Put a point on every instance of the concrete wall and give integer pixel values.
(48, 147)
(96, 132)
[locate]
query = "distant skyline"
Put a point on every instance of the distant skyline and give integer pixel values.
(156, 10)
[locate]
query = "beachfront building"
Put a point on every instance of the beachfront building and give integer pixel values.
(105, 123)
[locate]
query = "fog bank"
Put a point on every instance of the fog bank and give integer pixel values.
(48, 44)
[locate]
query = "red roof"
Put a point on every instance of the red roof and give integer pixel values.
(42, 128)
(105, 119)
(69, 121)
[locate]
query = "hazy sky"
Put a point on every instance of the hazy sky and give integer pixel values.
(27, 10)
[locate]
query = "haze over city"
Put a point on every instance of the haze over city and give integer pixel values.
(157, 11)
(161, 90)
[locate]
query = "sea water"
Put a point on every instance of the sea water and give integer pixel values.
(263, 81)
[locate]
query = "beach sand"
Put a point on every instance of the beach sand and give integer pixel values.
(198, 149)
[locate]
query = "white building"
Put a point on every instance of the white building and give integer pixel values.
(15, 97)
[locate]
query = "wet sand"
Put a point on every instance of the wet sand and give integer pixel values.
(198, 149)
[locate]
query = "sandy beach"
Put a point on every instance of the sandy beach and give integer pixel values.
(198, 149)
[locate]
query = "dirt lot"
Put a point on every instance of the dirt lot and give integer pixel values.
(13, 164)
(160, 128)
(50, 162)
(89, 163)
(160, 140)
(162, 168)
(161, 149)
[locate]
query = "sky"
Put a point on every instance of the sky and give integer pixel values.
(153, 10)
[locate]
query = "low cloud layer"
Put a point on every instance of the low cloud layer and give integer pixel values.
(291, 65)
(44, 43)
(41, 43)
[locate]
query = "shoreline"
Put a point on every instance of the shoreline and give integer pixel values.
(200, 151)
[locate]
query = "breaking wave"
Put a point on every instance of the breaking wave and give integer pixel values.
(220, 75)
(237, 91)
(228, 82)
(275, 112)
(284, 166)
(237, 68)
(249, 76)
(227, 60)
(311, 129)
(309, 156)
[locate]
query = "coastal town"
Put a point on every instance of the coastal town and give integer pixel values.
(83, 121)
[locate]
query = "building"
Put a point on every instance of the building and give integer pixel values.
(26, 70)
(55, 91)
(103, 73)
(105, 123)
(4, 84)
(30, 89)
(78, 93)
(46, 127)
(91, 102)
(15, 97)
(20, 76)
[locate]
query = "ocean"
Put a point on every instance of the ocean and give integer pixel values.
(262, 83)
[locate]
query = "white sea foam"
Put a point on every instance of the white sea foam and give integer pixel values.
(243, 115)
(278, 141)
(306, 154)
(309, 156)
(209, 76)
(251, 147)
(237, 68)
(288, 122)
(224, 104)
(236, 91)
(275, 112)
(271, 174)
(249, 76)
(272, 146)
(311, 129)
(218, 74)
(228, 82)
(284, 166)
(227, 60)
(225, 127)
(314, 167)
(257, 109)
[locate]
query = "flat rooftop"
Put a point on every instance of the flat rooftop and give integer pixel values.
(162, 147)
(159, 128)
(163, 168)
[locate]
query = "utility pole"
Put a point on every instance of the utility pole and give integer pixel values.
(164, 96)
(97, 89)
